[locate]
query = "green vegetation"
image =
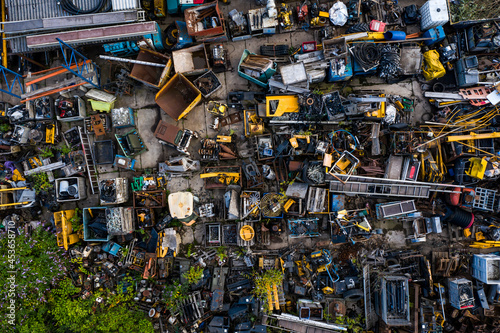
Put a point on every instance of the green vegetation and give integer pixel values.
(266, 280)
(76, 220)
(189, 251)
(468, 10)
(64, 149)
(40, 182)
(40, 264)
(47, 301)
(194, 275)
(221, 253)
(4, 128)
(46, 152)
(174, 294)
(353, 325)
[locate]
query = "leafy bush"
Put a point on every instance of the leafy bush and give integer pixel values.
(173, 294)
(40, 182)
(40, 264)
(46, 152)
(64, 149)
(263, 282)
(114, 314)
(194, 275)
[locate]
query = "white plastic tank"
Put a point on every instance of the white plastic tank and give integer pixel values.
(434, 13)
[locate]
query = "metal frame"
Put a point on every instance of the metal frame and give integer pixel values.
(82, 68)
(17, 79)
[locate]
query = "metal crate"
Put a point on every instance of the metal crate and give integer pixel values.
(394, 301)
(461, 293)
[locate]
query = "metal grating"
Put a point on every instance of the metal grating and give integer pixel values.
(125, 4)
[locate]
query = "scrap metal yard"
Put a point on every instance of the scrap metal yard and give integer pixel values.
(249, 166)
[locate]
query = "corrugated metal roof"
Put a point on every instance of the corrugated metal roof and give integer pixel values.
(26, 10)
(20, 10)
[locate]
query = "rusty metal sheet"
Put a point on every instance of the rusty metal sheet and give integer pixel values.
(191, 15)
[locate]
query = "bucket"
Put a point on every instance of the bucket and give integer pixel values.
(395, 35)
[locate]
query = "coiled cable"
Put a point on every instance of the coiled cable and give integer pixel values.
(70, 7)
(367, 55)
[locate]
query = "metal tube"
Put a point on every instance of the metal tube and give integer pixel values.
(146, 63)
(441, 298)
(4, 42)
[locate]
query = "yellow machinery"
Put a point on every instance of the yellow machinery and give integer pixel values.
(285, 16)
(50, 131)
(477, 167)
(227, 178)
(380, 113)
(293, 140)
(431, 170)
(224, 138)
(157, 7)
(66, 236)
(161, 250)
(247, 233)
(278, 105)
(253, 124)
(217, 109)
(160, 8)
(5, 203)
(473, 136)
(272, 297)
(288, 204)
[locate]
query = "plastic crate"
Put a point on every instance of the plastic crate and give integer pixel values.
(486, 268)
(433, 14)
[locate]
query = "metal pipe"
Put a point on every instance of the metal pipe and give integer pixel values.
(4, 42)
(146, 63)
(441, 298)
(439, 137)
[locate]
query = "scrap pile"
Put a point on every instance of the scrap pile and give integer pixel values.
(343, 178)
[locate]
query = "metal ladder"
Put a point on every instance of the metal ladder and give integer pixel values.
(396, 190)
(388, 187)
(89, 159)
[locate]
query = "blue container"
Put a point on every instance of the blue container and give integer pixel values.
(358, 70)
(437, 34)
(264, 77)
(88, 235)
(395, 35)
(333, 77)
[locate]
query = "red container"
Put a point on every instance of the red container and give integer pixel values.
(309, 47)
(377, 26)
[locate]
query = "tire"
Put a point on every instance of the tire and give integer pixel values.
(358, 27)
(353, 295)
(170, 35)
